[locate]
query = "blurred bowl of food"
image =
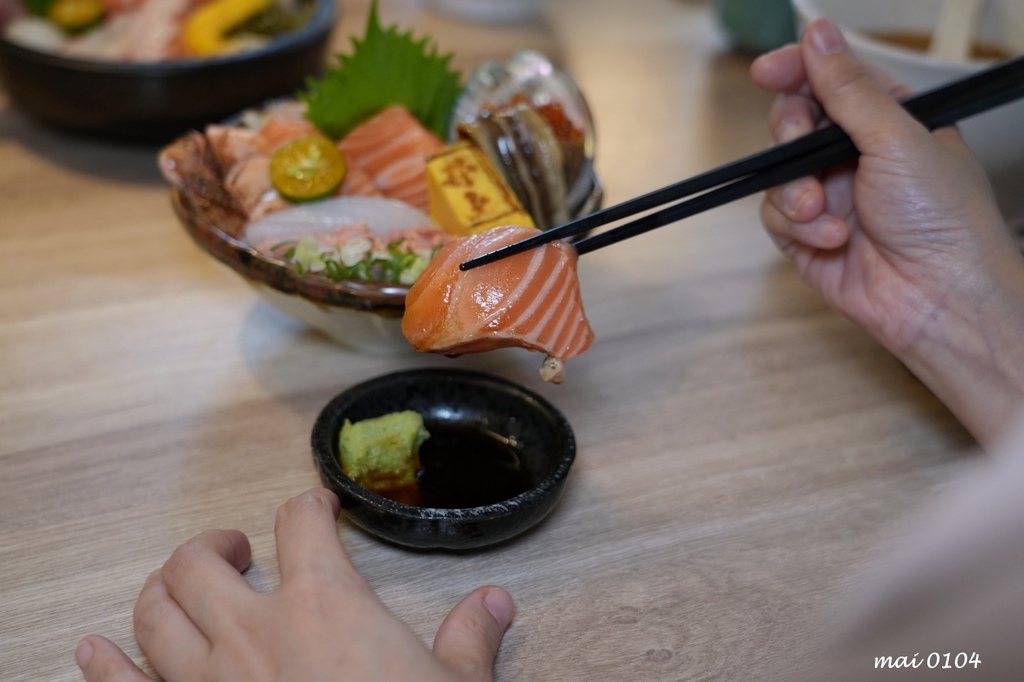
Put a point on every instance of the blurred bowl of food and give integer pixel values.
(448, 459)
(895, 36)
(389, 184)
(152, 72)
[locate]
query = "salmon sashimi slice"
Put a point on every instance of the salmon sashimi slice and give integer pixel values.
(531, 300)
(392, 148)
(280, 130)
(357, 183)
(406, 180)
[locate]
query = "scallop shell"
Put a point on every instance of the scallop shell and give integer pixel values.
(531, 75)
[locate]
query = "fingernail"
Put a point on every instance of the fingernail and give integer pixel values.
(827, 38)
(792, 196)
(499, 604)
(789, 130)
(83, 654)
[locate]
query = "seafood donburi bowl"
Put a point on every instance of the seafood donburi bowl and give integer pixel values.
(331, 215)
(129, 81)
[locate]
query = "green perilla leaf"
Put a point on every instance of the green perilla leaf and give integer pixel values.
(386, 67)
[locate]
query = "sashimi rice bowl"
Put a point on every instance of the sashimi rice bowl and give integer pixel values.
(332, 203)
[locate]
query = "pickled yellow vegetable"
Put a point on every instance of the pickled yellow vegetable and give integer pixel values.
(206, 30)
(75, 16)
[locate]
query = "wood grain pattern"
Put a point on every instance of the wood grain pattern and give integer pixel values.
(742, 449)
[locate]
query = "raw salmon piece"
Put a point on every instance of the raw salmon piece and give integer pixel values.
(406, 180)
(357, 182)
(392, 147)
(531, 300)
(278, 131)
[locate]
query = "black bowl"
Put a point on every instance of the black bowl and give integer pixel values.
(155, 102)
(542, 438)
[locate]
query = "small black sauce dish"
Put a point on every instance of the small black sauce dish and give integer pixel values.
(154, 102)
(452, 402)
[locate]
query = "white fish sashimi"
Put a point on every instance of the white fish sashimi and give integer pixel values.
(381, 216)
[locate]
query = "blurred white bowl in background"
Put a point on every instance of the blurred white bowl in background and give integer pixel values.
(997, 136)
(491, 11)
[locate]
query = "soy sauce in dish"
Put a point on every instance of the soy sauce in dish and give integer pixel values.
(463, 466)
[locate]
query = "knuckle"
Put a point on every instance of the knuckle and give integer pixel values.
(184, 557)
(848, 83)
(777, 111)
(148, 613)
(153, 580)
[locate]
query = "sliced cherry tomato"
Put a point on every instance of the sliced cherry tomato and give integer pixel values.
(308, 168)
(75, 16)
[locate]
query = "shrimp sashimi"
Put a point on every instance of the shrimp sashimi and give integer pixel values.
(244, 156)
(248, 181)
(386, 156)
(531, 300)
(190, 165)
(231, 144)
(392, 148)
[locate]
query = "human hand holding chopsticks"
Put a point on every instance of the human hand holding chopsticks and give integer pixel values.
(891, 239)
(813, 152)
(908, 241)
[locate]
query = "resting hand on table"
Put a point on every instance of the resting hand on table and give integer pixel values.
(908, 242)
(198, 619)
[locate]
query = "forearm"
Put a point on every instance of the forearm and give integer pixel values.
(971, 353)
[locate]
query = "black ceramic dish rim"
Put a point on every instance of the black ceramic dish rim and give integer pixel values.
(324, 429)
(321, 22)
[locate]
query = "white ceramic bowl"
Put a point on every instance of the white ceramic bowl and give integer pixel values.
(997, 136)
(491, 11)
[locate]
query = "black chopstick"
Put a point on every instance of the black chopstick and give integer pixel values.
(812, 153)
(814, 162)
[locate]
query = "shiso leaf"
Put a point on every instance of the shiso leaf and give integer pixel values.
(39, 8)
(385, 68)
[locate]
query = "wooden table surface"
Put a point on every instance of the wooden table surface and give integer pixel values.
(743, 450)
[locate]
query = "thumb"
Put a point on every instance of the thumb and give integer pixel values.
(857, 102)
(468, 639)
(102, 661)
